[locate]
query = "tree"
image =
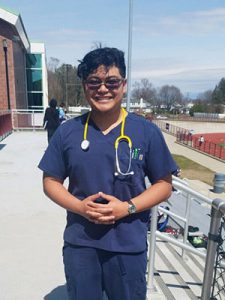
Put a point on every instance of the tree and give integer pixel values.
(213, 105)
(206, 96)
(145, 90)
(218, 95)
(63, 83)
(53, 64)
(54, 89)
(199, 106)
(170, 95)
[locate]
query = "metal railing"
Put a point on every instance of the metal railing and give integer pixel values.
(30, 119)
(185, 137)
(27, 119)
(217, 212)
(214, 276)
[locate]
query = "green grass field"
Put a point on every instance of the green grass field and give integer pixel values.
(193, 170)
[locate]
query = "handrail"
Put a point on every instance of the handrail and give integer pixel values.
(216, 204)
(30, 119)
(217, 211)
(185, 188)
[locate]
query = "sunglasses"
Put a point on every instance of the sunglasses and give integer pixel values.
(110, 83)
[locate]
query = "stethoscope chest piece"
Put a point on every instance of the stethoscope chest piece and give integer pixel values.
(85, 145)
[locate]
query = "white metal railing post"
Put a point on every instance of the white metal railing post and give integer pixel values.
(152, 249)
(186, 223)
(213, 239)
(33, 120)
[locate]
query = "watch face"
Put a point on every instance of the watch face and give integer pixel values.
(131, 209)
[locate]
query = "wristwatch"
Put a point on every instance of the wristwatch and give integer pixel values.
(131, 207)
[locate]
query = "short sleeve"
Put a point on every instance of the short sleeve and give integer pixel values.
(159, 160)
(53, 162)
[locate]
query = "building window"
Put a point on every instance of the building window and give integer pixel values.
(33, 61)
(34, 80)
(35, 100)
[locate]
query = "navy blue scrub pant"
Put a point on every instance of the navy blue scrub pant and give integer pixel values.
(91, 271)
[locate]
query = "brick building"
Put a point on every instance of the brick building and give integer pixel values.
(23, 72)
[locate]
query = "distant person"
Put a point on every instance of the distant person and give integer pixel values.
(191, 132)
(51, 118)
(62, 112)
(201, 140)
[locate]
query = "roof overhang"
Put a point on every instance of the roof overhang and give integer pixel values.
(15, 20)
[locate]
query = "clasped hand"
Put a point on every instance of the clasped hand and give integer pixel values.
(99, 213)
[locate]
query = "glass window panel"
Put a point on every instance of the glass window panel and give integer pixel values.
(34, 80)
(35, 99)
(33, 61)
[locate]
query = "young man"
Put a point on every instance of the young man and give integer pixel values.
(106, 154)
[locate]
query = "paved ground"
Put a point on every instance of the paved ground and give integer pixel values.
(32, 226)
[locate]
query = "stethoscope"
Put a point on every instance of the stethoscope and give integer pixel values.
(85, 144)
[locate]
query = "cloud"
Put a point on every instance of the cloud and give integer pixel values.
(188, 81)
(217, 12)
(194, 23)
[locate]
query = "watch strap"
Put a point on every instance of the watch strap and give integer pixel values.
(131, 207)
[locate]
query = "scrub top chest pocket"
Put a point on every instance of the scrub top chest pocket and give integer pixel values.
(128, 186)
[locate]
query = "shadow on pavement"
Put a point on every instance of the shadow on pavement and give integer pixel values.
(59, 293)
(2, 146)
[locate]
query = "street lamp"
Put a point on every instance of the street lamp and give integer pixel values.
(5, 48)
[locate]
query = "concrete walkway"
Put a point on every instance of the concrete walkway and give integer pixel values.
(32, 226)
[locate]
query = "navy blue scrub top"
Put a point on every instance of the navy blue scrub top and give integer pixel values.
(92, 171)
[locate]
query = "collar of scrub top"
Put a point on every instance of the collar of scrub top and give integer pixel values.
(85, 144)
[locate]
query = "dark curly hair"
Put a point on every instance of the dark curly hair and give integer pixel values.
(101, 56)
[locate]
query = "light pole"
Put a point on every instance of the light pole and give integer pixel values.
(5, 48)
(129, 54)
(67, 66)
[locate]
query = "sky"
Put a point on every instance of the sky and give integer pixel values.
(174, 42)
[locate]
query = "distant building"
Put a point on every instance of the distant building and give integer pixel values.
(23, 72)
(137, 105)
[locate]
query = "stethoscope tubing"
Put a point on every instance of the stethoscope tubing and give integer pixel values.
(85, 144)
